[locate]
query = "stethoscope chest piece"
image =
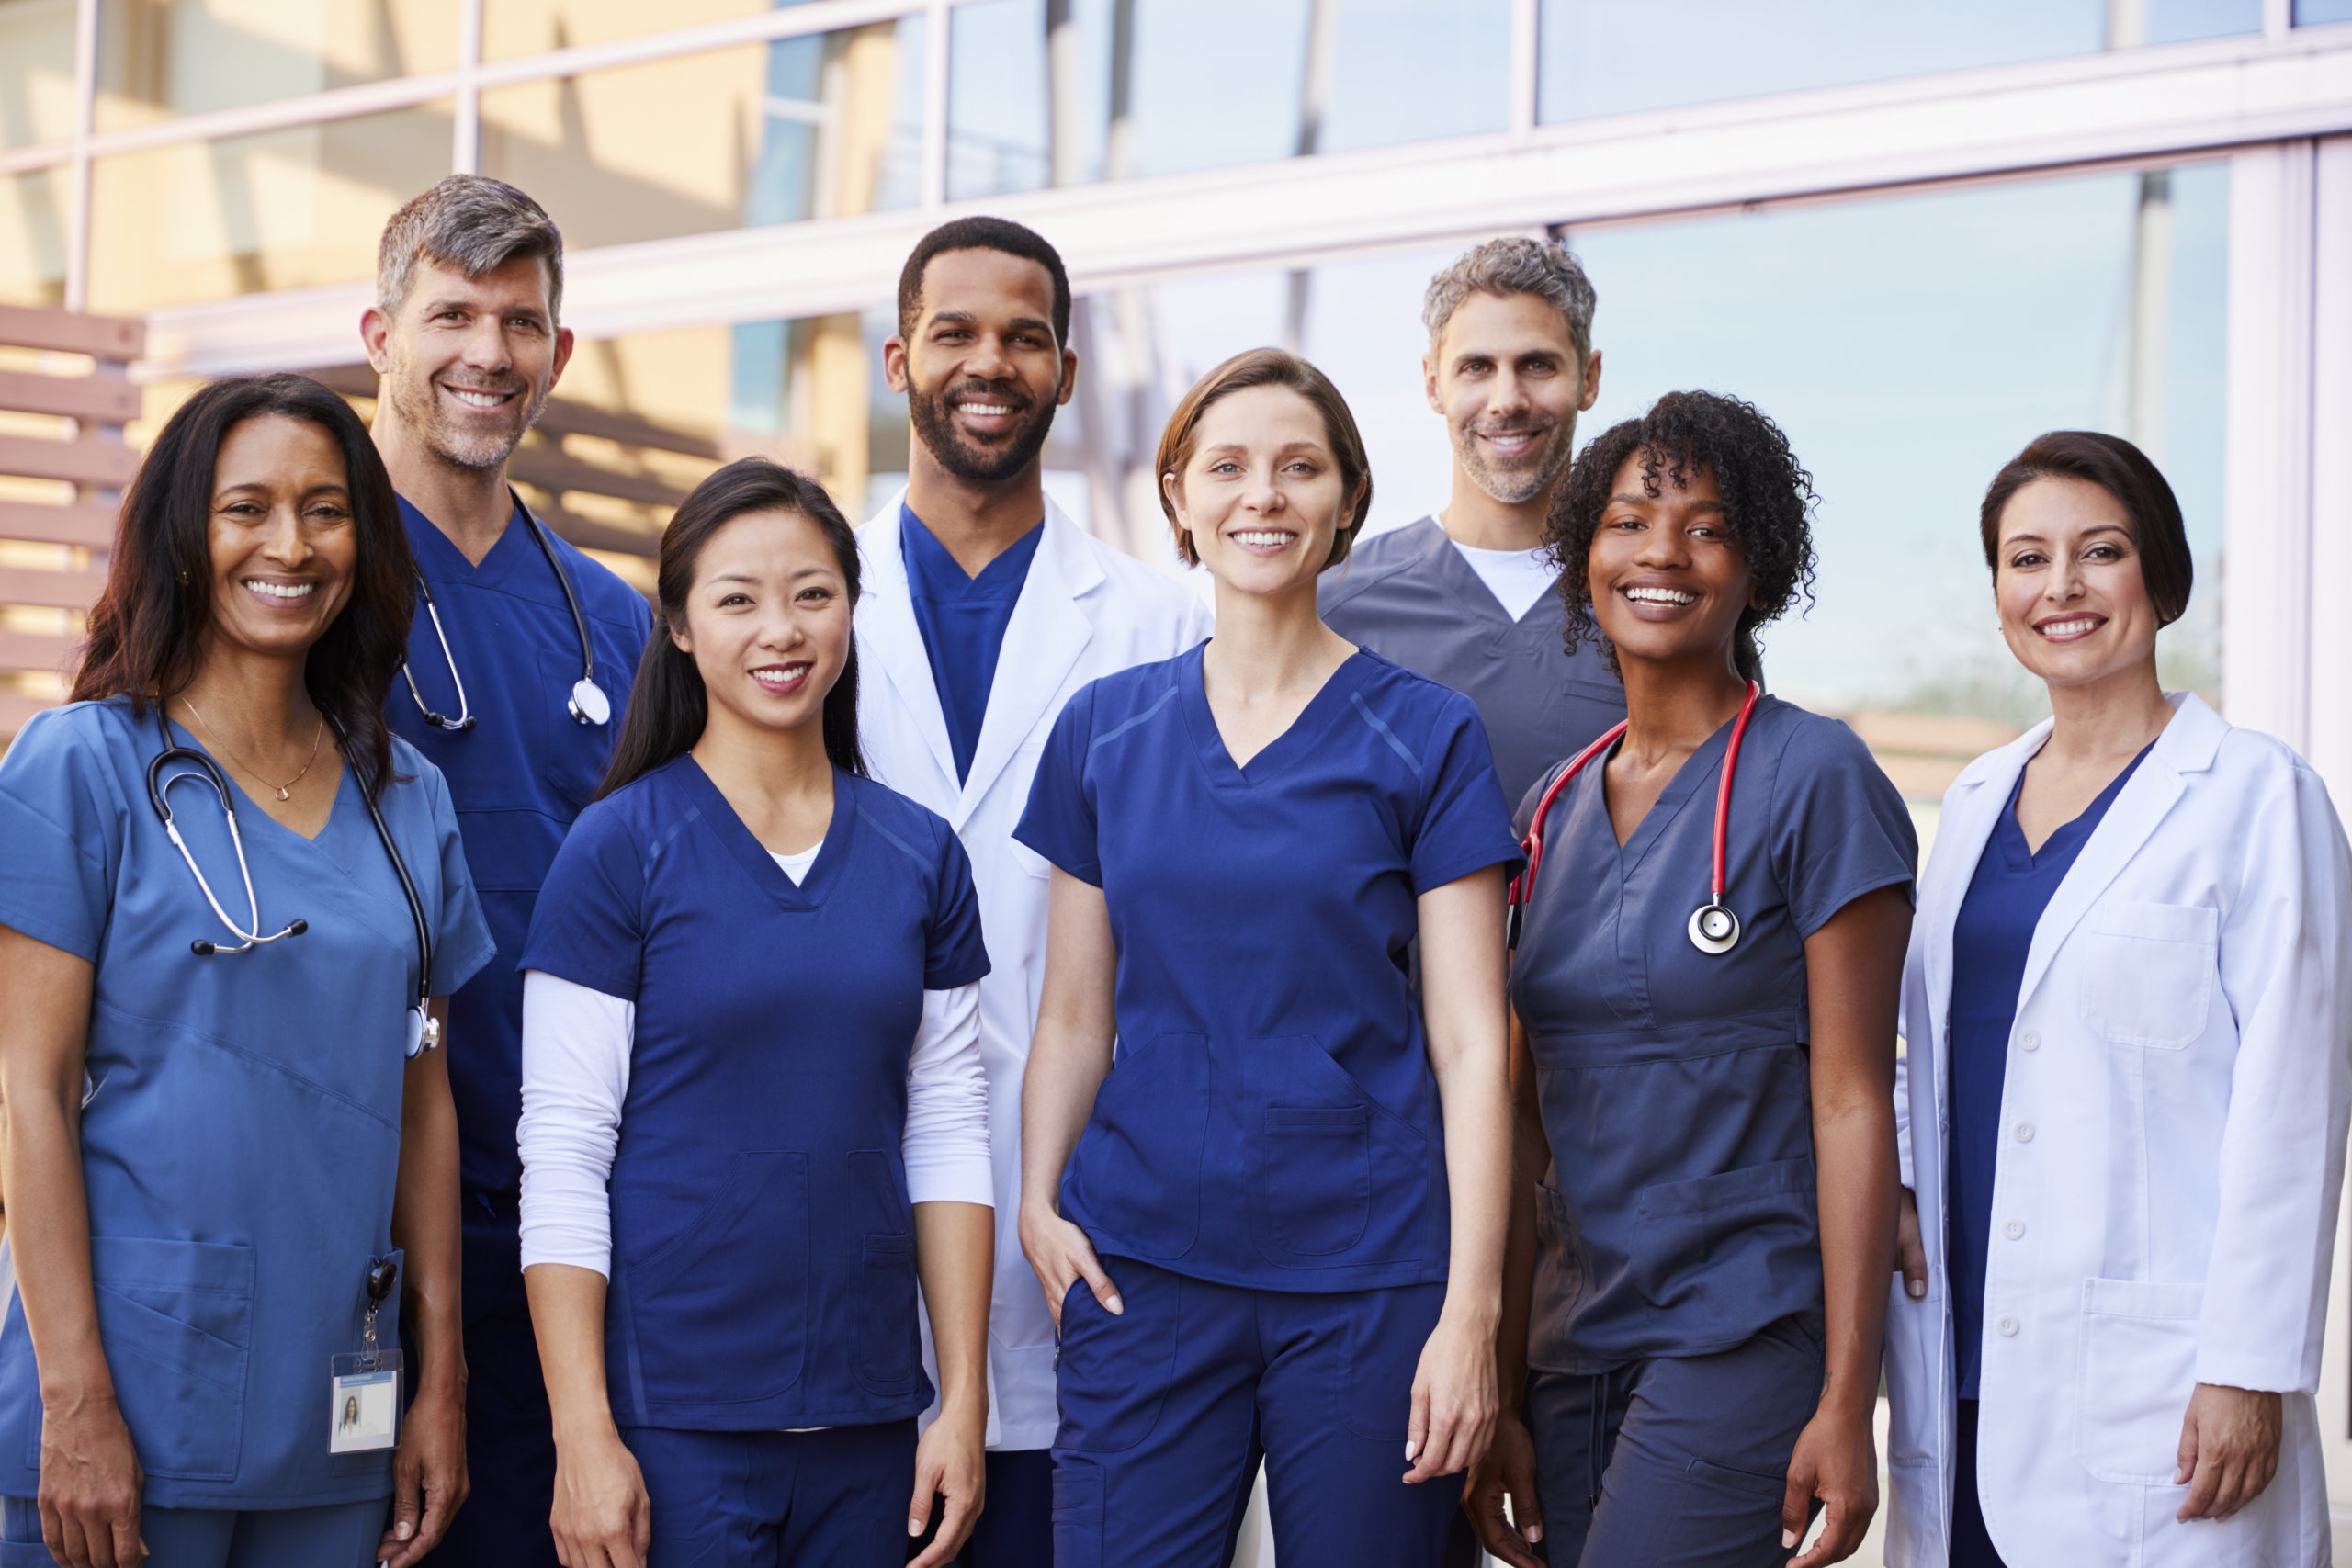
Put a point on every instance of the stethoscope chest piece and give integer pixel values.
(1713, 929)
(589, 704)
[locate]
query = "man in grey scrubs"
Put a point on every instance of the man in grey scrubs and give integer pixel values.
(1466, 597)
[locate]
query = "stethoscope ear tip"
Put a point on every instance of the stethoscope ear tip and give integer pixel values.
(296, 928)
(202, 949)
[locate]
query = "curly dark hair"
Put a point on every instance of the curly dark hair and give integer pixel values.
(1767, 501)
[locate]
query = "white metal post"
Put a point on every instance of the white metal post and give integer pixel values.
(2331, 494)
(85, 120)
(1526, 65)
(934, 103)
(465, 155)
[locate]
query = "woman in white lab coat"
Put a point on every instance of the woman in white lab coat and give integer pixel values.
(2128, 1003)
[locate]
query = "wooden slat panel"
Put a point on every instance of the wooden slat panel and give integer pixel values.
(562, 418)
(590, 534)
(32, 650)
(16, 709)
(55, 590)
(90, 526)
(106, 463)
(555, 470)
(99, 398)
(103, 337)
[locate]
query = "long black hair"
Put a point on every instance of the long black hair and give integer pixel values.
(148, 629)
(669, 706)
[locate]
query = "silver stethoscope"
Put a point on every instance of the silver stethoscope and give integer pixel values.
(424, 1030)
(1714, 928)
(588, 705)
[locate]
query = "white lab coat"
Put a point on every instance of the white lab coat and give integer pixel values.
(2172, 1148)
(1086, 611)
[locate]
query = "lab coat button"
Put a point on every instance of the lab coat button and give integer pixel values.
(2013, 1230)
(2009, 1327)
(2024, 1131)
(2029, 1041)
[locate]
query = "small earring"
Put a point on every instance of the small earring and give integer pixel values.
(182, 579)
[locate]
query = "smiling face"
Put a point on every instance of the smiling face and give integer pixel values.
(1507, 378)
(468, 362)
(1669, 579)
(2074, 606)
(283, 539)
(1262, 496)
(767, 619)
(982, 371)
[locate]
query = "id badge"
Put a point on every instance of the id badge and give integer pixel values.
(364, 1413)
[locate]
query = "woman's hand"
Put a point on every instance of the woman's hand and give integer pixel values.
(1059, 1252)
(428, 1477)
(2229, 1450)
(1910, 1252)
(1836, 1460)
(601, 1517)
(1507, 1470)
(90, 1482)
(949, 1462)
(1454, 1398)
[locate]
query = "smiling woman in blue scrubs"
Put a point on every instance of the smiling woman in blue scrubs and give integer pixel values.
(212, 1153)
(1277, 1219)
(753, 1108)
(1717, 1226)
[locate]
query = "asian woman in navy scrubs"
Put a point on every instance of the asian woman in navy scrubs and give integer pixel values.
(1276, 1217)
(1716, 1231)
(753, 1108)
(212, 1154)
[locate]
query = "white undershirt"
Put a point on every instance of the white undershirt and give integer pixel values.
(1515, 578)
(576, 1049)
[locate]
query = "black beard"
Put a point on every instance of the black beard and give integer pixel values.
(935, 428)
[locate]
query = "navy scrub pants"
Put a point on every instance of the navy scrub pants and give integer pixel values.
(1164, 1406)
(339, 1535)
(1688, 1455)
(835, 1498)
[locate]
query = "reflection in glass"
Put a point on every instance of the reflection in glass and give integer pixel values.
(764, 133)
(161, 58)
(36, 72)
(281, 209)
(34, 211)
(1605, 57)
(2310, 13)
(515, 27)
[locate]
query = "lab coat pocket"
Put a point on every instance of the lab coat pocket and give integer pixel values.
(2147, 972)
(1138, 1163)
(1318, 1188)
(2135, 1369)
(889, 1347)
(175, 1320)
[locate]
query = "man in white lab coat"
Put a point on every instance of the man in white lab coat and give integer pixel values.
(983, 609)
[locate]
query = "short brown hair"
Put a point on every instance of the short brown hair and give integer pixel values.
(2167, 568)
(474, 223)
(1267, 367)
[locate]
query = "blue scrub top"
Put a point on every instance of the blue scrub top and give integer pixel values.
(963, 621)
(1679, 1216)
(241, 1146)
(1990, 939)
(764, 1263)
(519, 776)
(1271, 1121)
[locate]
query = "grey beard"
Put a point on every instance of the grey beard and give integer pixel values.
(1515, 485)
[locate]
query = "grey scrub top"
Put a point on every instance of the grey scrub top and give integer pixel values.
(1679, 1216)
(1409, 597)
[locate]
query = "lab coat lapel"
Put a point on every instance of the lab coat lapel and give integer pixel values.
(1042, 642)
(1965, 827)
(886, 617)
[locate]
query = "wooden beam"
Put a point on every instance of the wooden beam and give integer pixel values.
(560, 417)
(107, 464)
(112, 338)
(98, 398)
(53, 590)
(554, 470)
(591, 534)
(47, 652)
(17, 710)
(89, 526)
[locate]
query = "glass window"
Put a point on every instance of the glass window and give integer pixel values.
(36, 72)
(2310, 13)
(514, 27)
(1602, 57)
(280, 209)
(35, 208)
(766, 133)
(160, 57)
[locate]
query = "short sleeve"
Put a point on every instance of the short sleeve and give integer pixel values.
(1465, 826)
(956, 955)
(588, 925)
(1060, 820)
(462, 941)
(60, 836)
(1839, 829)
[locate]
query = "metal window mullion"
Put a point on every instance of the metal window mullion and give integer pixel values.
(1526, 61)
(465, 152)
(85, 118)
(936, 31)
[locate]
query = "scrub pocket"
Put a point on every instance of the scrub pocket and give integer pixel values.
(575, 752)
(1113, 1373)
(889, 1346)
(1078, 1513)
(1337, 1179)
(2135, 1369)
(721, 1312)
(176, 1319)
(1722, 1235)
(2147, 972)
(1138, 1163)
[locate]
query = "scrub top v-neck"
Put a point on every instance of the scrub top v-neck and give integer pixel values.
(1272, 1119)
(223, 1287)
(1680, 1218)
(963, 620)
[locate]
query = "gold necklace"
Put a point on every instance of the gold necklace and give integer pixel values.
(283, 790)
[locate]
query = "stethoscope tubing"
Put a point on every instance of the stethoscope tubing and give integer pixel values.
(465, 719)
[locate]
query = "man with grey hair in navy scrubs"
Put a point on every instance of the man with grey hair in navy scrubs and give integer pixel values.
(1466, 597)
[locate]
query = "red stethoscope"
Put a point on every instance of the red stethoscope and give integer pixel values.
(1714, 928)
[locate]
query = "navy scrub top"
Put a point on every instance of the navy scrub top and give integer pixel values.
(1409, 597)
(224, 1287)
(1990, 939)
(519, 776)
(1271, 1120)
(1679, 1216)
(963, 620)
(763, 1261)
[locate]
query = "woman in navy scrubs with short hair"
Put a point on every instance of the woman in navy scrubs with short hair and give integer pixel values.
(1277, 1218)
(753, 1110)
(1705, 979)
